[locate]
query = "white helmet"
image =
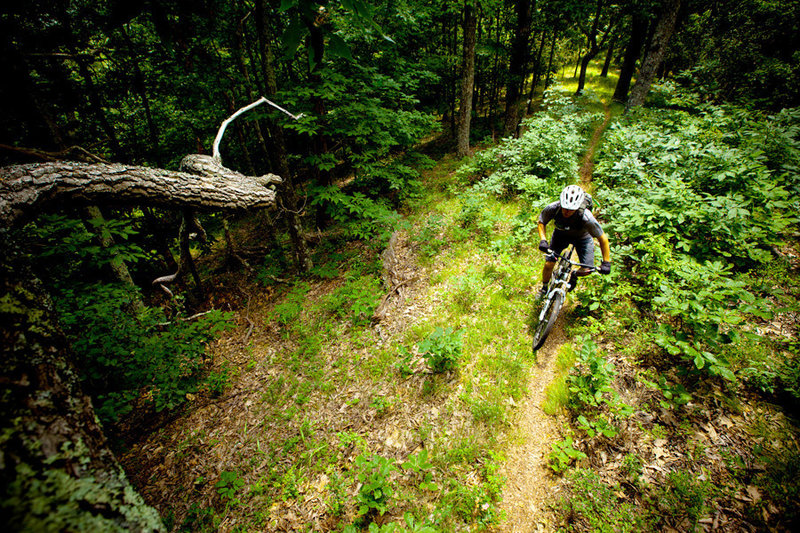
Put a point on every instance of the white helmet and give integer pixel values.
(572, 197)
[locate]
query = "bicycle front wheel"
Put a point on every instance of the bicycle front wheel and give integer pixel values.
(548, 320)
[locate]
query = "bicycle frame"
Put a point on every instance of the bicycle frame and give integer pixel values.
(556, 295)
(559, 281)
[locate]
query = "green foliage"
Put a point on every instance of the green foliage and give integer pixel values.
(125, 354)
(683, 176)
(745, 53)
(542, 158)
(564, 454)
(441, 349)
(289, 309)
(376, 492)
(229, 485)
(219, 380)
(696, 198)
(360, 216)
(591, 378)
(54, 498)
(686, 495)
(356, 299)
(593, 505)
(420, 465)
(429, 236)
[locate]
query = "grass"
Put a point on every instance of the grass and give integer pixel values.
(557, 393)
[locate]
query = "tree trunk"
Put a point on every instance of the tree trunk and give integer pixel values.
(280, 158)
(548, 79)
(593, 47)
(467, 80)
(57, 472)
(609, 57)
(632, 51)
(655, 53)
(537, 72)
(517, 65)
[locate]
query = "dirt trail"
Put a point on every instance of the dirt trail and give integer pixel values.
(530, 483)
(587, 164)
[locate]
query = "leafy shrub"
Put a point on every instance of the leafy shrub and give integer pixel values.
(686, 495)
(684, 176)
(593, 505)
(590, 381)
(361, 216)
(356, 299)
(292, 304)
(229, 485)
(564, 454)
(545, 151)
(376, 492)
(124, 354)
(441, 349)
(429, 236)
(420, 465)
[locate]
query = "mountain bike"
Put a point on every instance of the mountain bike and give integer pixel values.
(560, 284)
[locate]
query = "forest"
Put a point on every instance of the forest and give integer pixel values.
(273, 266)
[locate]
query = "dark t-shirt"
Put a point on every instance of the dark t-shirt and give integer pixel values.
(576, 226)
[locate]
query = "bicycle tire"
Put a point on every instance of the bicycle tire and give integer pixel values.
(548, 321)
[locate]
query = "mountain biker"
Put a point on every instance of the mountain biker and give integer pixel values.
(574, 224)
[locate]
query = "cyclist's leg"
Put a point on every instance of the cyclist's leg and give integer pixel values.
(557, 243)
(585, 249)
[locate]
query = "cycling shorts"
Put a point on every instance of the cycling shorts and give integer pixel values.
(584, 246)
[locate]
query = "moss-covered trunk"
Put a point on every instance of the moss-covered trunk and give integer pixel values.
(56, 471)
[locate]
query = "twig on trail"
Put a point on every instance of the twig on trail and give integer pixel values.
(188, 318)
(252, 325)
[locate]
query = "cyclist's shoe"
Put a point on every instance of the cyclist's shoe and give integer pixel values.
(542, 292)
(573, 280)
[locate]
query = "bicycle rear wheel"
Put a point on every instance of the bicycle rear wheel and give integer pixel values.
(552, 308)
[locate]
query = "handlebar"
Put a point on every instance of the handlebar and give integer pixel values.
(570, 261)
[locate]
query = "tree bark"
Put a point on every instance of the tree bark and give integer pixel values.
(632, 51)
(655, 53)
(28, 189)
(591, 41)
(548, 78)
(467, 79)
(57, 472)
(537, 72)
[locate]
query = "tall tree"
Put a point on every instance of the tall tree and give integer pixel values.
(605, 29)
(655, 52)
(467, 78)
(636, 37)
(518, 62)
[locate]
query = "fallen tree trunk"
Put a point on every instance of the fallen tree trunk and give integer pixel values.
(29, 189)
(56, 470)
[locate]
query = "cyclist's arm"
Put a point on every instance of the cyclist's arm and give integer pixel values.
(605, 248)
(542, 231)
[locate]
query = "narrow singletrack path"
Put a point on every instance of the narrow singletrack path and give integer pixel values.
(529, 481)
(530, 484)
(587, 164)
